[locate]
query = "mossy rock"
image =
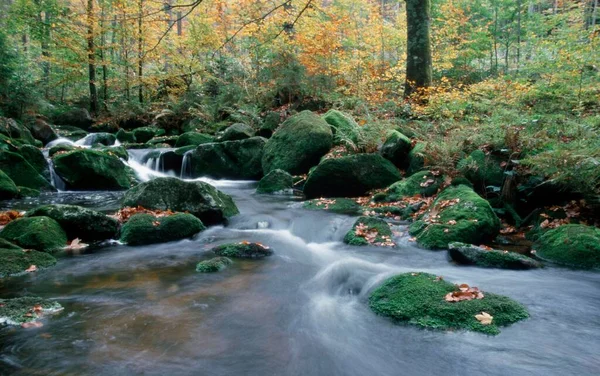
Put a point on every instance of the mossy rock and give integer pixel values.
(76, 117)
(143, 229)
(572, 245)
(145, 134)
(383, 237)
(125, 137)
(40, 233)
(350, 176)
(17, 311)
(215, 264)
(198, 198)
(22, 173)
(12, 129)
(115, 151)
(229, 160)
(298, 144)
(243, 250)
(60, 148)
(482, 170)
(28, 192)
(396, 148)
(69, 132)
(416, 158)
(423, 183)
(86, 169)
(418, 299)
(8, 188)
(102, 138)
(237, 131)
(164, 141)
(344, 128)
(16, 261)
(276, 181)
(270, 123)
(78, 222)
(468, 254)
(36, 159)
(458, 214)
(339, 205)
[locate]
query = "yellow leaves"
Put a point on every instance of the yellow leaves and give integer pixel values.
(484, 318)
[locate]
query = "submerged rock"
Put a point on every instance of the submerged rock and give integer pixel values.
(215, 264)
(370, 231)
(298, 144)
(8, 189)
(78, 222)
(243, 250)
(419, 299)
(143, 229)
(469, 254)
(571, 245)
(350, 176)
(22, 173)
(396, 148)
(457, 215)
(237, 131)
(40, 233)
(340, 205)
(275, 181)
(17, 311)
(423, 183)
(198, 198)
(17, 261)
(229, 160)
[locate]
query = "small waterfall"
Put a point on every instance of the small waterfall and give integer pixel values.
(147, 163)
(60, 141)
(56, 180)
(186, 165)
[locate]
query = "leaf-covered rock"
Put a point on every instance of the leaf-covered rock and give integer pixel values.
(275, 181)
(17, 311)
(571, 245)
(339, 205)
(40, 233)
(243, 250)
(229, 160)
(396, 148)
(143, 229)
(370, 231)
(468, 254)
(424, 183)
(215, 264)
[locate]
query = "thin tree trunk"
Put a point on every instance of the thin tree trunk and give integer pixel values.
(418, 59)
(518, 34)
(496, 37)
(46, 53)
(91, 52)
(140, 51)
(103, 60)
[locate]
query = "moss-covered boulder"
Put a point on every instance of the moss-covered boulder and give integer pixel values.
(276, 181)
(350, 176)
(416, 158)
(22, 173)
(86, 169)
(71, 133)
(424, 183)
(40, 233)
(42, 131)
(344, 128)
(61, 148)
(143, 229)
(458, 214)
(115, 151)
(102, 138)
(370, 231)
(298, 144)
(36, 159)
(396, 148)
(11, 129)
(145, 134)
(229, 160)
(193, 138)
(215, 264)
(468, 254)
(237, 131)
(28, 192)
(17, 311)
(8, 188)
(243, 250)
(77, 117)
(125, 137)
(418, 299)
(270, 123)
(339, 205)
(482, 170)
(574, 245)
(78, 222)
(17, 261)
(198, 198)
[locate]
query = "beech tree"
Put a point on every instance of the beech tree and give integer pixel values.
(418, 52)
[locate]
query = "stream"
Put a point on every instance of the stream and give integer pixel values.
(145, 311)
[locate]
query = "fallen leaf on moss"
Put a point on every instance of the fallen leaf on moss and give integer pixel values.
(484, 318)
(31, 269)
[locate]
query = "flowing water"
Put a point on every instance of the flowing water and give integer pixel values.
(145, 311)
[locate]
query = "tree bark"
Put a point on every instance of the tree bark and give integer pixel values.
(418, 59)
(140, 51)
(91, 52)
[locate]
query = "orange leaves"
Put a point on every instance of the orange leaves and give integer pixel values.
(124, 214)
(372, 236)
(32, 324)
(76, 245)
(465, 292)
(325, 202)
(31, 269)
(8, 216)
(36, 311)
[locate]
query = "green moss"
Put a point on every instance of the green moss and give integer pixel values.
(229, 160)
(21, 310)
(416, 158)
(237, 131)
(340, 205)
(78, 222)
(243, 250)
(21, 172)
(350, 176)
(16, 261)
(145, 134)
(39, 233)
(482, 170)
(418, 299)
(36, 159)
(474, 220)
(12, 129)
(124, 136)
(8, 189)
(146, 229)
(61, 148)
(275, 181)
(344, 127)
(469, 254)
(270, 123)
(298, 144)
(215, 264)
(384, 233)
(571, 245)
(422, 183)
(396, 148)
(116, 151)
(28, 192)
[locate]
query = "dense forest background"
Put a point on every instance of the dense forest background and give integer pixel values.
(517, 75)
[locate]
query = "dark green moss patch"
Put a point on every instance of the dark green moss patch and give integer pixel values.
(243, 250)
(571, 245)
(276, 181)
(16, 261)
(215, 264)
(39, 233)
(147, 229)
(469, 254)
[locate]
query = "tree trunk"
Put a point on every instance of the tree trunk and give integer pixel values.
(418, 59)
(518, 34)
(140, 51)
(91, 51)
(103, 58)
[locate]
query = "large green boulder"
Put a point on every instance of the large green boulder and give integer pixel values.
(22, 172)
(468, 254)
(276, 181)
(370, 231)
(125, 137)
(345, 129)
(396, 148)
(17, 261)
(229, 160)
(458, 214)
(11, 129)
(215, 264)
(78, 222)
(40, 233)
(69, 132)
(143, 229)
(482, 170)
(416, 158)
(270, 123)
(18, 311)
(36, 159)
(576, 246)
(42, 131)
(86, 169)
(298, 144)
(419, 299)
(350, 176)
(145, 134)
(423, 183)
(243, 250)
(8, 189)
(193, 138)
(198, 198)
(237, 131)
